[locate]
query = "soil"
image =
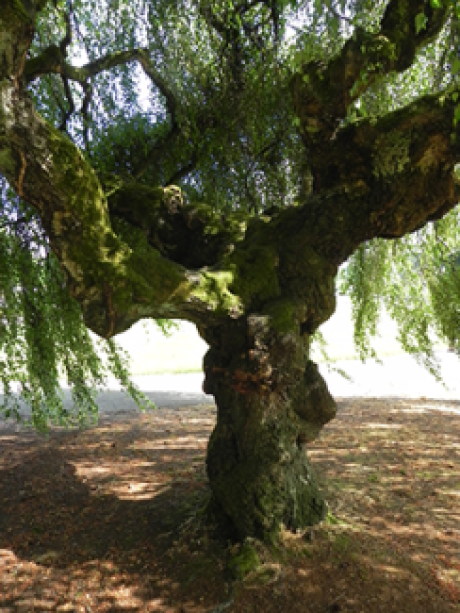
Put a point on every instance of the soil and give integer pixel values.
(111, 518)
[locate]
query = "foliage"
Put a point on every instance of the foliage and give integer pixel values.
(42, 335)
(416, 278)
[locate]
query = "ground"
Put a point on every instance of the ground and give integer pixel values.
(111, 518)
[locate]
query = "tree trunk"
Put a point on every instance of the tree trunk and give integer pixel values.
(271, 402)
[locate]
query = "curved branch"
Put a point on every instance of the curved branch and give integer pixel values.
(183, 171)
(388, 178)
(49, 172)
(322, 93)
(53, 61)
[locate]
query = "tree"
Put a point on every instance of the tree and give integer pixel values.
(315, 133)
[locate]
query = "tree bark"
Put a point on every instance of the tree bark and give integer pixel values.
(271, 403)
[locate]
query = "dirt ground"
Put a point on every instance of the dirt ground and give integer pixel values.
(111, 518)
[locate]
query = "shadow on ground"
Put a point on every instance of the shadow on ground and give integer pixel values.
(110, 518)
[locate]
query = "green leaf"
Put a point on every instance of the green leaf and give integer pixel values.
(456, 66)
(436, 4)
(420, 22)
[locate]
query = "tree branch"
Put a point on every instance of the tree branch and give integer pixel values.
(388, 178)
(183, 171)
(48, 171)
(67, 40)
(53, 61)
(88, 91)
(67, 114)
(322, 93)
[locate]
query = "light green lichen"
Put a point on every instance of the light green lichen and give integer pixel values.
(247, 278)
(457, 173)
(255, 273)
(244, 562)
(134, 237)
(214, 291)
(113, 259)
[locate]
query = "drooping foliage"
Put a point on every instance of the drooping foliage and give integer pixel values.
(42, 335)
(417, 280)
(198, 93)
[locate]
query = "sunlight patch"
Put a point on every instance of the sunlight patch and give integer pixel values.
(423, 408)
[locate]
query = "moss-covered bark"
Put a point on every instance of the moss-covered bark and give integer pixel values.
(271, 402)
(322, 93)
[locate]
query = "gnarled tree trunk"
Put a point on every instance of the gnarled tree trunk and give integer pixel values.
(271, 402)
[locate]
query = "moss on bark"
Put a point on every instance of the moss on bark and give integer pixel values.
(271, 402)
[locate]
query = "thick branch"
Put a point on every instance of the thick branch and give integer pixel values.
(322, 93)
(16, 33)
(387, 178)
(114, 283)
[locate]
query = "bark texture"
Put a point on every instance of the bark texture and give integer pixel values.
(271, 402)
